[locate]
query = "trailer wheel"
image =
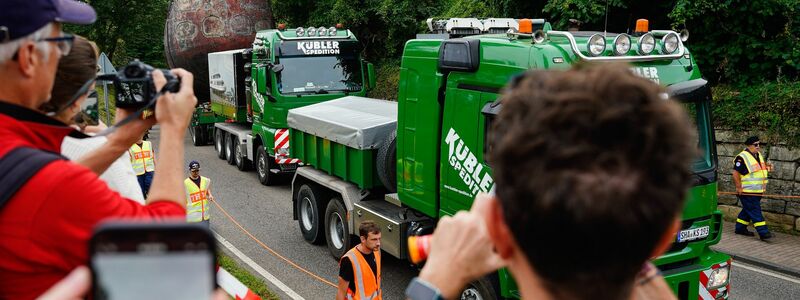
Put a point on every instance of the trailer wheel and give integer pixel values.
(198, 138)
(481, 289)
(386, 163)
(309, 213)
(263, 164)
(219, 143)
(242, 163)
(229, 148)
(337, 231)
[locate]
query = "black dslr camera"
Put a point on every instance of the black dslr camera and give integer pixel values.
(135, 87)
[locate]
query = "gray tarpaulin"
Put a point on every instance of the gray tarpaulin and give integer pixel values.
(357, 122)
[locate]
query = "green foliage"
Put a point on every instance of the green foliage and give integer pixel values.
(388, 74)
(128, 29)
(773, 107)
(252, 282)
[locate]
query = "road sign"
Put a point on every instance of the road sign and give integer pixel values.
(106, 68)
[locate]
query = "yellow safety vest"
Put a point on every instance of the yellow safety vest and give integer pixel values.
(197, 199)
(368, 287)
(756, 180)
(142, 158)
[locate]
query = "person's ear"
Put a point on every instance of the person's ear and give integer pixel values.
(499, 232)
(667, 238)
(27, 59)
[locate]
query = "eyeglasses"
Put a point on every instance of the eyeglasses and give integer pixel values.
(64, 44)
(756, 144)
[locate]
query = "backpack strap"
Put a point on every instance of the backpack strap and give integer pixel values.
(18, 166)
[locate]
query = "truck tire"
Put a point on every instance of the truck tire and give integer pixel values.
(309, 213)
(386, 163)
(481, 289)
(337, 231)
(198, 138)
(263, 164)
(219, 143)
(229, 148)
(242, 163)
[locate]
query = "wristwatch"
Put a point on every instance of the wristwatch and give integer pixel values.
(420, 289)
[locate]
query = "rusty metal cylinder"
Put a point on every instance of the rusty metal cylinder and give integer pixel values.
(197, 27)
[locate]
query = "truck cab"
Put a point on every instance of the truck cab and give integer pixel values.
(450, 81)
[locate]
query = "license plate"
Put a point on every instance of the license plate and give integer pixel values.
(693, 234)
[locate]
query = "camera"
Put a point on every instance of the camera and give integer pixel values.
(135, 87)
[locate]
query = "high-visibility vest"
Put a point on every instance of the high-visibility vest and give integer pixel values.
(756, 180)
(142, 158)
(197, 199)
(367, 286)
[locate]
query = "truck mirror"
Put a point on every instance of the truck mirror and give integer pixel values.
(277, 68)
(459, 55)
(371, 77)
(261, 79)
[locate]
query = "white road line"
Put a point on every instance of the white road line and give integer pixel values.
(267, 275)
(765, 272)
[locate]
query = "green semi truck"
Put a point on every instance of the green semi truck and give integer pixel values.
(252, 89)
(405, 164)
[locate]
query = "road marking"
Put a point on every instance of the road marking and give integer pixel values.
(267, 275)
(765, 272)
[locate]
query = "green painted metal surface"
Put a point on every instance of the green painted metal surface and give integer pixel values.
(349, 164)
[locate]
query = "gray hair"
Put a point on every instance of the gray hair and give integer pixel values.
(8, 49)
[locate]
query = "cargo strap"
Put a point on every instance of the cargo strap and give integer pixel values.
(19, 165)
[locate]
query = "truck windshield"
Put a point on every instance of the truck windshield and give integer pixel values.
(319, 74)
(699, 115)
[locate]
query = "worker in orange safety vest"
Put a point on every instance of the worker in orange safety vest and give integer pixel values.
(360, 268)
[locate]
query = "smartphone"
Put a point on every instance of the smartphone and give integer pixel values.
(152, 261)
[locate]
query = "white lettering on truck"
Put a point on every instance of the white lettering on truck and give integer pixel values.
(318, 47)
(466, 164)
(647, 72)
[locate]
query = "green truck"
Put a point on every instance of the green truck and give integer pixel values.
(251, 91)
(405, 164)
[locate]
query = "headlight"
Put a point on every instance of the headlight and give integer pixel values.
(646, 44)
(718, 278)
(300, 31)
(322, 31)
(332, 31)
(312, 31)
(596, 45)
(622, 44)
(669, 43)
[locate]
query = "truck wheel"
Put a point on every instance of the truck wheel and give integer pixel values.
(337, 232)
(481, 289)
(242, 163)
(198, 138)
(263, 163)
(229, 148)
(219, 143)
(309, 213)
(386, 163)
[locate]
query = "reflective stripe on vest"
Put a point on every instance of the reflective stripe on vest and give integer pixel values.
(142, 158)
(369, 286)
(197, 200)
(756, 180)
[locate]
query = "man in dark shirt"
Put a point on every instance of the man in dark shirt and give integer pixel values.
(354, 278)
(750, 174)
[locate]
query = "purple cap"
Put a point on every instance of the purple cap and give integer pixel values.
(19, 18)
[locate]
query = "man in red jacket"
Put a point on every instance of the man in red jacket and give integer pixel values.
(45, 225)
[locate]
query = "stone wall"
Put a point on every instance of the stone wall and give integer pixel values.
(783, 180)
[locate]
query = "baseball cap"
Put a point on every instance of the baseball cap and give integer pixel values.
(194, 165)
(19, 18)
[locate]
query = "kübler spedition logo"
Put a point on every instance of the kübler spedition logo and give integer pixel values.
(318, 47)
(466, 164)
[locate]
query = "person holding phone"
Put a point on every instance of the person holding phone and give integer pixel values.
(74, 82)
(198, 193)
(45, 224)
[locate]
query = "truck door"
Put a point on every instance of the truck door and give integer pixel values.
(463, 165)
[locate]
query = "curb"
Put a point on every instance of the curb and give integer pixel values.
(765, 264)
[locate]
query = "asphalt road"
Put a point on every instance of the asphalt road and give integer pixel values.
(266, 212)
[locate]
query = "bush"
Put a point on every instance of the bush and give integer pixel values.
(388, 74)
(772, 107)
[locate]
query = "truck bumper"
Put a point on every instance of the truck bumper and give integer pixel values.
(691, 281)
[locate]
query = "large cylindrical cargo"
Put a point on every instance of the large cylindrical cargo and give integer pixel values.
(197, 27)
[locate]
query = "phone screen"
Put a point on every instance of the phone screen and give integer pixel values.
(153, 263)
